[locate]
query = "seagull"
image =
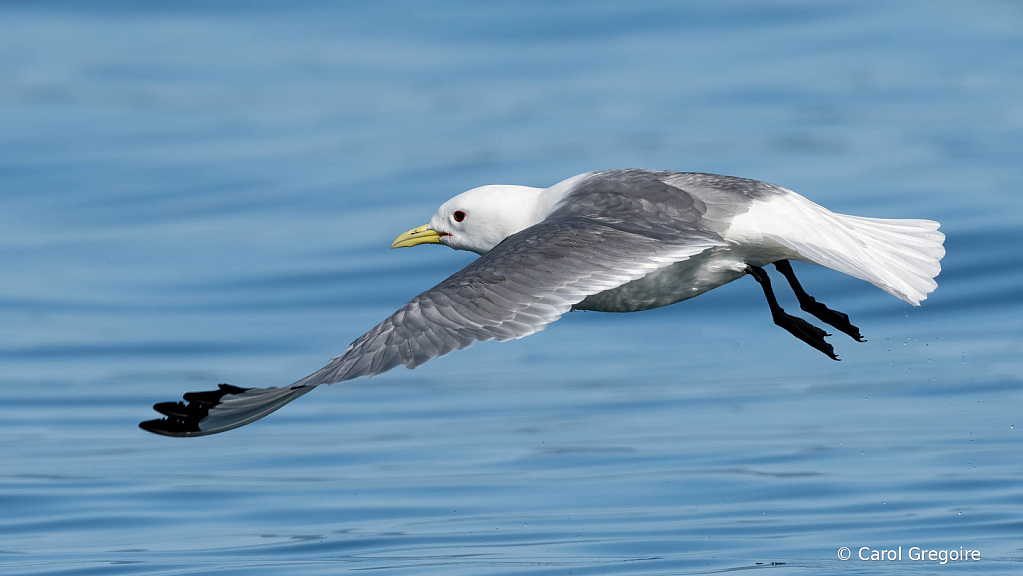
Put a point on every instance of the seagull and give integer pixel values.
(610, 241)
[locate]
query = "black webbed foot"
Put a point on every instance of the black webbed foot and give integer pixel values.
(839, 320)
(798, 327)
(806, 332)
(811, 306)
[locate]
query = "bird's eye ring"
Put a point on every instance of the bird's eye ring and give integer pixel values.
(458, 215)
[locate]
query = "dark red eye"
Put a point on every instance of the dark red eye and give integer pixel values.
(458, 215)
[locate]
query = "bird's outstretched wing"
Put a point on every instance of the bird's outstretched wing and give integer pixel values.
(526, 282)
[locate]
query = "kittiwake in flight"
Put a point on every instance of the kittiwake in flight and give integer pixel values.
(610, 241)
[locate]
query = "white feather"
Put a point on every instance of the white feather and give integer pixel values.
(899, 256)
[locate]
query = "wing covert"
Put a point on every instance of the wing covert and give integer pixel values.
(515, 289)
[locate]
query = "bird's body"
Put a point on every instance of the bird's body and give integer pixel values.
(612, 241)
(680, 281)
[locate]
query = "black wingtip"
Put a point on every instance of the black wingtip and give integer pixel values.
(182, 420)
(170, 427)
(172, 409)
(213, 396)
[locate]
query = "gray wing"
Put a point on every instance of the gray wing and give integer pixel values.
(665, 205)
(516, 289)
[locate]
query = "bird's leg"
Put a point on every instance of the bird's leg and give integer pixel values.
(811, 306)
(798, 327)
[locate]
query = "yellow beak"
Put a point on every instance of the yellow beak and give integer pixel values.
(415, 236)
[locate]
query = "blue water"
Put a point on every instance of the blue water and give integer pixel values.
(204, 192)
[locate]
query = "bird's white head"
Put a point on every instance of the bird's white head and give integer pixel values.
(479, 219)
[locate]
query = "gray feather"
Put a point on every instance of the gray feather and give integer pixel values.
(516, 289)
(611, 228)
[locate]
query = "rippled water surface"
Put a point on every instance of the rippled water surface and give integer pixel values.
(203, 192)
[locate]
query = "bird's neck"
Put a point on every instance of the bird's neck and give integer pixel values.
(509, 209)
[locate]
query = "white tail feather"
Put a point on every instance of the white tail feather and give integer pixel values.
(900, 257)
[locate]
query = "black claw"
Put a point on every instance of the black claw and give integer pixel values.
(798, 327)
(811, 306)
